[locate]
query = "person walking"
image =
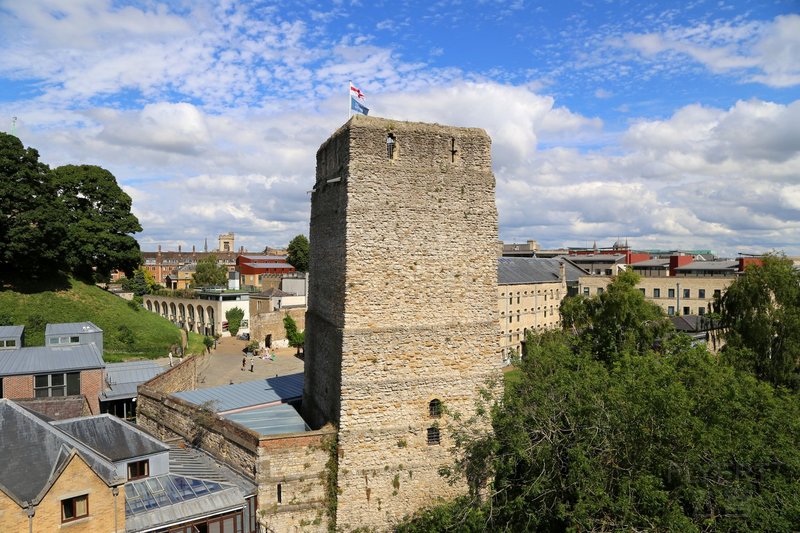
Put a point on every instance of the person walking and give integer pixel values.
(244, 362)
(252, 361)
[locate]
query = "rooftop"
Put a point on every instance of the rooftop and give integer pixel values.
(13, 332)
(41, 359)
(68, 328)
(111, 437)
(518, 270)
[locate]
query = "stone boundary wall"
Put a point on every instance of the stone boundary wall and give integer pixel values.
(180, 377)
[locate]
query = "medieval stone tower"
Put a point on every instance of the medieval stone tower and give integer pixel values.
(402, 306)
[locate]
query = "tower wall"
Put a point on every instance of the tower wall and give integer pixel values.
(402, 307)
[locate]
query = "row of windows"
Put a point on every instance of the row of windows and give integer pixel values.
(67, 384)
(64, 339)
(686, 293)
(8, 343)
(686, 310)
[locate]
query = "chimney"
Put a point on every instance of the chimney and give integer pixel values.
(179, 248)
(562, 271)
(159, 248)
(193, 249)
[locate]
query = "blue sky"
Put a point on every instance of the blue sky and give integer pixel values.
(671, 124)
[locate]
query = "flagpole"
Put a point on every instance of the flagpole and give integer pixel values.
(349, 96)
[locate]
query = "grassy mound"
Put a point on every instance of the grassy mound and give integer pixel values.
(129, 332)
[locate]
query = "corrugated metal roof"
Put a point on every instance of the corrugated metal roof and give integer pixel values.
(596, 258)
(267, 265)
(41, 359)
(11, 332)
(280, 389)
(132, 372)
(195, 463)
(272, 420)
(519, 270)
(71, 327)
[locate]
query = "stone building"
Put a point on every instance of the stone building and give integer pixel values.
(402, 311)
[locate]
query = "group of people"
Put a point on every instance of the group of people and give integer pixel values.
(266, 356)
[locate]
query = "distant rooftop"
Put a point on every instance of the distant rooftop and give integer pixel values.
(12, 332)
(111, 437)
(71, 327)
(516, 270)
(41, 359)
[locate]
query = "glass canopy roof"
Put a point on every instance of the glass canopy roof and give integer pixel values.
(144, 495)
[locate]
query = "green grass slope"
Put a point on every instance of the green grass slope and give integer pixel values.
(128, 332)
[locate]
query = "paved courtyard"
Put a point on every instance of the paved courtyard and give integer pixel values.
(226, 364)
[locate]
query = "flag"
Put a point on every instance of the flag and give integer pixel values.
(357, 101)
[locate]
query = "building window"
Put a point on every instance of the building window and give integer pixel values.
(8, 343)
(280, 493)
(138, 469)
(701, 293)
(717, 293)
(46, 385)
(670, 293)
(390, 141)
(65, 339)
(608, 272)
(642, 291)
(701, 311)
(435, 408)
(433, 436)
(586, 291)
(600, 290)
(656, 293)
(74, 508)
(687, 293)
(671, 310)
(687, 311)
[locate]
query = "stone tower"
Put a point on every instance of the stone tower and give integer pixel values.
(402, 306)
(226, 242)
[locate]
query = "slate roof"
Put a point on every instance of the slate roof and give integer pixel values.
(11, 332)
(652, 263)
(272, 292)
(41, 359)
(271, 258)
(123, 379)
(519, 270)
(34, 454)
(112, 437)
(67, 328)
(267, 265)
(596, 258)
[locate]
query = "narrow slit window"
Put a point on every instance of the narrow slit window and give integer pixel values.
(280, 495)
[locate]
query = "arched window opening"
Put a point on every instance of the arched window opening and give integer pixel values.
(435, 408)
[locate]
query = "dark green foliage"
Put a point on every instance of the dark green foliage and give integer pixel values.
(458, 516)
(73, 218)
(296, 338)
(135, 303)
(209, 273)
(100, 222)
(6, 320)
(761, 313)
(125, 336)
(208, 342)
(298, 253)
(141, 283)
(234, 317)
(617, 322)
(33, 224)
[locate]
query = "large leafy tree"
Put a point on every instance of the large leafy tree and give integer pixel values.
(656, 441)
(761, 313)
(616, 322)
(234, 317)
(33, 225)
(298, 250)
(295, 337)
(210, 273)
(99, 235)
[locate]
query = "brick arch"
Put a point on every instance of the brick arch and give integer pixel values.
(192, 321)
(201, 320)
(210, 320)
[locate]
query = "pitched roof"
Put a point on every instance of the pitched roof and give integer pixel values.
(272, 292)
(112, 437)
(35, 453)
(709, 265)
(41, 359)
(13, 332)
(122, 379)
(520, 270)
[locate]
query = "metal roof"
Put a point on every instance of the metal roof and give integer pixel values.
(71, 327)
(274, 264)
(596, 258)
(122, 379)
(275, 258)
(519, 270)
(272, 420)
(41, 359)
(12, 332)
(652, 263)
(111, 437)
(280, 389)
(710, 265)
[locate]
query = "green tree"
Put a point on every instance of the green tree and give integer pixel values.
(656, 441)
(100, 223)
(210, 273)
(760, 312)
(234, 317)
(33, 225)
(298, 253)
(208, 342)
(296, 338)
(616, 322)
(138, 285)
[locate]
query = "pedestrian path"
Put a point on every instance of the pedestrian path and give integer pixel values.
(226, 364)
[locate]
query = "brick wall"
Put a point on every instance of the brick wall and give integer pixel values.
(402, 306)
(17, 387)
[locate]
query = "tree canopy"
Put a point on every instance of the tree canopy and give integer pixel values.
(234, 317)
(760, 312)
(621, 437)
(296, 338)
(71, 219)
(210, 273)
(298, 250)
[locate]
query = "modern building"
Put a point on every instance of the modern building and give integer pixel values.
(203, 314)
(252, 269)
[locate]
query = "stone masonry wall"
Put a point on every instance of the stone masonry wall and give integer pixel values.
(263, 324)
(298, 462)
(419, 317)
